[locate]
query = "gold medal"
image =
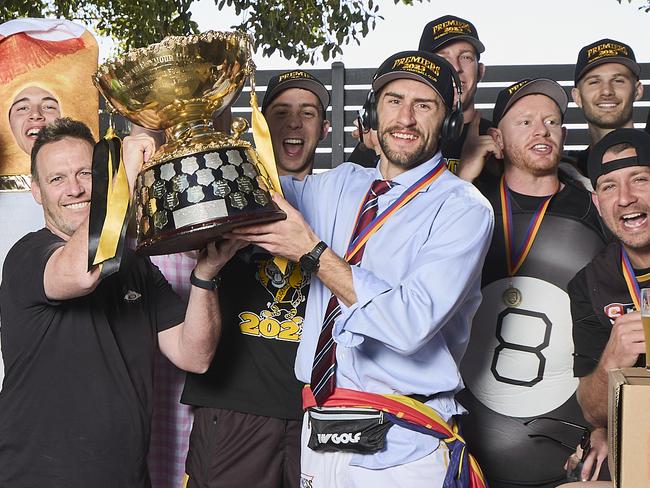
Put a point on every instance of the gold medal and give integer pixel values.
(512, 297)
(515, 256)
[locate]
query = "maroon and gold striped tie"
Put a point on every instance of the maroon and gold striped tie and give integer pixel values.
(323, 373)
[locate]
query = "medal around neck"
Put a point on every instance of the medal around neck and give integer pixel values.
(203, 181)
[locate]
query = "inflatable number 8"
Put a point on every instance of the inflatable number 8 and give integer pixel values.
(534, 350)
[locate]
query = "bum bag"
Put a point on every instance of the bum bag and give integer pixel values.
(360, 430)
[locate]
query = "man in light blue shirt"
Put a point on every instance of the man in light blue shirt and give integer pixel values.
(406, 306)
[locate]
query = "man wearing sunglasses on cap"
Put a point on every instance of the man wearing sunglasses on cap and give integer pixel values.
(248, 414)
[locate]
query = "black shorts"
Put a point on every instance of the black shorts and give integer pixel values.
(233, 449)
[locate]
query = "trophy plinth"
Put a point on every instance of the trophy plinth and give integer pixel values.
(202, 182)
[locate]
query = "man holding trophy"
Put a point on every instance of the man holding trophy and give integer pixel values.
(387, 329)
(78, 332)
(78, 351)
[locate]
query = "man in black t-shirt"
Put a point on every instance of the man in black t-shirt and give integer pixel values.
(457, 41)
(606, 86)
(247, 425)
(517, 367)
(75, 406)
(607, 327)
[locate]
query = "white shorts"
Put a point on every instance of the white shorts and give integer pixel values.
(333, 470)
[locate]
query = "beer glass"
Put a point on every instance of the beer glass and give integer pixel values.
(645, 319)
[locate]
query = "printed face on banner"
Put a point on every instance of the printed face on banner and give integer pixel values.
(32, 109)
(46, 68)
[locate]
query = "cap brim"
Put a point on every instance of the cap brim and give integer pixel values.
(540, 86)
(632, 65)
(478, 45)
(310, 85)
(384, 79)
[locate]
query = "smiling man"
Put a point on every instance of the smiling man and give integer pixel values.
(606, 86)
(456, 40)
(32, 109)
(78, 351)
(607, 326)
(383, 318)
(518, 362)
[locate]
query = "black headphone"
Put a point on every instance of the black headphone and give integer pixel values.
(452, 127)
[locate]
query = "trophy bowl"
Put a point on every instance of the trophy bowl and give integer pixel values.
(202, 182)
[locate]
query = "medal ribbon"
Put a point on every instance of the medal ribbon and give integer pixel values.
(406, 197)
(516, 257)
(630, 279)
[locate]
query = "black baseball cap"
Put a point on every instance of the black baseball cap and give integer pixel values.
(638, 139)
(542, 86)
(296, 79)
(605, 51)
(422, 66)
(447, 29)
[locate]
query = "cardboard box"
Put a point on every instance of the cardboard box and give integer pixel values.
(629, 427)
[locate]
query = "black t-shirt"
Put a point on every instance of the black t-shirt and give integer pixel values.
(518, 364)
(450, 150)
(76, 405)
(262, 313)
(598, 295)
(572, 205)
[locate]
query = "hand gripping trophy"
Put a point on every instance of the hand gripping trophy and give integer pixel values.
(201, 182)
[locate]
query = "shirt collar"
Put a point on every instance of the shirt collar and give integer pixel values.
(409, 177)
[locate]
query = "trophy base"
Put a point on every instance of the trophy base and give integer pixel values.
(196, 237)
(186, 202)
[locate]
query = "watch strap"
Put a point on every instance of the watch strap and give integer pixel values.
(310, 262)
(205, 284)
(318, 250)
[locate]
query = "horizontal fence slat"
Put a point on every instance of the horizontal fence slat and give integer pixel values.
(354, 84)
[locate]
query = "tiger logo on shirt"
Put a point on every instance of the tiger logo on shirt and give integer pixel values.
(280, 320)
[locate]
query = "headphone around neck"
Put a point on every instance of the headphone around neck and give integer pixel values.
(452, 126)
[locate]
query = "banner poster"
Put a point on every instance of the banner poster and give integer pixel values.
(46, 67)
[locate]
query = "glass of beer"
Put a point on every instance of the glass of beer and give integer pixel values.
(645, 319)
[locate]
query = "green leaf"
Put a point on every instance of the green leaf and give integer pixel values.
(303, 30)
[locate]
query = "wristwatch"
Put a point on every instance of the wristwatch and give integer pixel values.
(205, 284)
(310, 262)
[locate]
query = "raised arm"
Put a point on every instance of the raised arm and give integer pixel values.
(599, 348)
(66, 273)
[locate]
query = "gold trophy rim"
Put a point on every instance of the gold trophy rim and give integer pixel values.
(108, 70)
(171, 150)
(170, 42)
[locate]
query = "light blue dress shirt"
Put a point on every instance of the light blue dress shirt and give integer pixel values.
(417, 287)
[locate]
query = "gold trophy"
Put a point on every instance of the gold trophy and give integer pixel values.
(201, 182)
